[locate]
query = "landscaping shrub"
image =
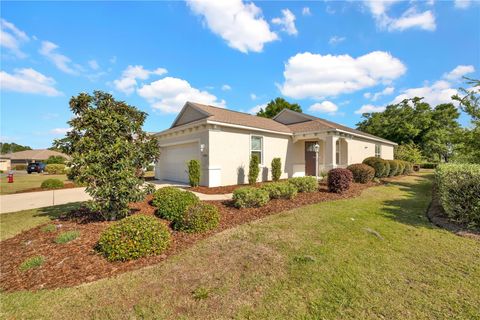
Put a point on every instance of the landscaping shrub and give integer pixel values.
(277, 190)
(55, 160)
(67, 236)
(253, 169)
(394, 168)
(304, 184)
(386, 173)
(49, 228)
(409, 168)
(198, 218)
(362, 173)
(149, 188)
(20, 167)
(150, 167)
(194, 173)
(402, 166)
(52, 184)
(33, 262)
(134, 237)
(55, 168)
(459, 192)
(249, 197)
(276, 169)
(171, 202)
(428, 165)
(339, 180)
(379, 165)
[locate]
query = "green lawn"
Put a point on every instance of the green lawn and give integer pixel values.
(371, 257)
(24, 181)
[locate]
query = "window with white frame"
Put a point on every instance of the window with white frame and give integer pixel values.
(337, 152)
(256, 147)
(378, 150)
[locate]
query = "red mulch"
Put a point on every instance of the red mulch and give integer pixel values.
(77, 262)
(223, 189)
(66, 185)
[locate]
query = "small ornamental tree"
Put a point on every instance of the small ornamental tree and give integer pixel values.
(276, 169)
(108, 150)
(253, 169)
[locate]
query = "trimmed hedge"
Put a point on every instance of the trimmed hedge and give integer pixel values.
(52, 184)
(194, 173)
(459, 192)
(199, 217)
(379, 165)
(362, 173)
(339, 180)
(304, 184)
(276, 169)
(402, 167)
(280, 190)
(171, 202)
(408, 168)
(428, 165)
(394, 168)
(250, 197)
(55, 168)
(134, 237)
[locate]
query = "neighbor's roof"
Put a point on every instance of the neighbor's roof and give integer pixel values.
(37, 154)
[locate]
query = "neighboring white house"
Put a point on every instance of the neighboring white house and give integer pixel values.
(224, 140)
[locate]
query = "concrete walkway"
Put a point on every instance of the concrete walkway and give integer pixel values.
(32, 200)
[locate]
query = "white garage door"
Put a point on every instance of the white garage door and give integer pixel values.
(173, 161)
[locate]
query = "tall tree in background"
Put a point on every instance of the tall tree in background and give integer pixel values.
(469, 100)
(275, 106)
(109, 150)
(12, 147)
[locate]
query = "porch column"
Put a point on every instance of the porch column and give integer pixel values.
(330, 151)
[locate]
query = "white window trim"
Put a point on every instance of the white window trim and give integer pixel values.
(379, 150)
(261, 151)
(339, 152)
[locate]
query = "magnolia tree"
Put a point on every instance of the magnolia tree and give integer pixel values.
(109, 150)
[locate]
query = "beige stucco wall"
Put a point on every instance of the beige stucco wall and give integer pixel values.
(5, 164)
(359, 149)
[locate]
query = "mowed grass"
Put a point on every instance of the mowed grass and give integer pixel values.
(371, 257)
(23, 181)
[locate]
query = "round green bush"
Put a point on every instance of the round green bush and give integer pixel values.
(134, 237)
(55, 168)
(377, 164)
(402, 168)
(52, 184)
(199, 217)
(362, 173)
(408, 168)
(304, 184)
(172, 202)
(394, 168)
(277, 190)
(249, 197)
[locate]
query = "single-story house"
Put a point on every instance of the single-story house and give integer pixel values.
(224, 140)
(5, 163)
(27, 156)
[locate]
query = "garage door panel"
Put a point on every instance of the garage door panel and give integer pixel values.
(174, 160)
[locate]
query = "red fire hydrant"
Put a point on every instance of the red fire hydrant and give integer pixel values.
(10, 177)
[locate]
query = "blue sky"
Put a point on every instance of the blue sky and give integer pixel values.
(336, 59)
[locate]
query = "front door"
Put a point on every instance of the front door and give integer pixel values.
(310, 158)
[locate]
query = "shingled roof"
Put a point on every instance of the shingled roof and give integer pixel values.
(36, 154)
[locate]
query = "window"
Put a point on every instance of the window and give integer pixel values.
(256, 147)
(337, 152)
(378, 150)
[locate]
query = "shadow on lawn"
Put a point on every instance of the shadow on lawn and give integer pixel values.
(59, 211)
(412, 207)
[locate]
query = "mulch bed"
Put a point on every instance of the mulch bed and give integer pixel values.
(223, 189)
(66, 185)
(437, 215)
(77, 262)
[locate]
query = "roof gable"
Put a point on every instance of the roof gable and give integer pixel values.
(189, 113)
(287, 116)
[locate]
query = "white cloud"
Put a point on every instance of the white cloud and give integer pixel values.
(60, 131)
(325, 106)
(462, 4)
(226, 87)
(28, 81)
(437, 93)
(93, 64)
(128, 81)
(336, 40)
(240, 24)
(409, 19)
(257, 108)
(113, 60)
(306, 11)
(374, 96)
(287, 22)
(459, 72)
(253, 96)
(11, 38)
(62, 62)
(368, 108)
(309, 75)
(170, 94)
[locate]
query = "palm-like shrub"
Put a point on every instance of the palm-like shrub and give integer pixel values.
(249, 197)
(276, 169)
(362, 173)
(171, 202)
(339, 180)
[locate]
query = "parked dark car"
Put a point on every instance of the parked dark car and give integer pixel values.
(36, 167)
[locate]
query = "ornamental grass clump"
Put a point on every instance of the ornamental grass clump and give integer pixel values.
(134, 237)
(339, 180)
(280, 190)
(199, 217)
(362, 173)
(250, 197)
(172, 202)
(304, 184)
(459, 192)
